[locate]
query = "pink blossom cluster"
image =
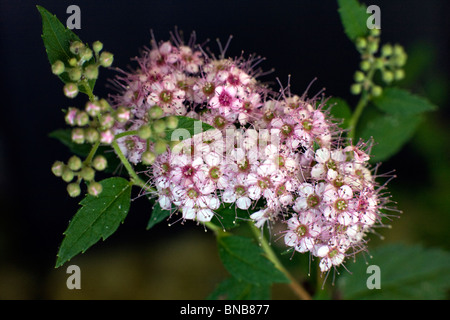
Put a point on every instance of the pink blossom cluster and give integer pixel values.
(278, 155)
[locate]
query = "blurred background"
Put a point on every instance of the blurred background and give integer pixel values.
(303, 39)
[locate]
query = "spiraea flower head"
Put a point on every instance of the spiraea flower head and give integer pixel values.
(276, 154)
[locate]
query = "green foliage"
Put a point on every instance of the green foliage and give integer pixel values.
(187, 128)
(407, 272)
(245, 261)
(233, 289)
(98, 218)
(353, 18)
(340, 110)
(158, 215)
(401, 102)
(57, 39)
(390, 132)
(229, 216)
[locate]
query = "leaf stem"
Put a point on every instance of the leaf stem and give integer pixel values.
(91, 153)
(295, 286)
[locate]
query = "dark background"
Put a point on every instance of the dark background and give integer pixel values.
(303, 39)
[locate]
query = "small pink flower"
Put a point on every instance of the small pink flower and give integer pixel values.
(302, 231)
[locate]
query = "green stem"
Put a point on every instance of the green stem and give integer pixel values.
(295, 286)
(357, 114)
(133, 175)
(89, 91)
(91, 153)
(126, 133)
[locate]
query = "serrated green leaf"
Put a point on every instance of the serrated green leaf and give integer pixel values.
(354, 18)
(98, 218)
(400, 101)
(233, 289)
(57, 39)
(245, 261)
(390, 132)
(340, 110)
(406, 273)
(158, 215)
(228, 216)
(187, 128)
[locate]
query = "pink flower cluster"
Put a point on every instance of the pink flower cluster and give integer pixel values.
(277, 155)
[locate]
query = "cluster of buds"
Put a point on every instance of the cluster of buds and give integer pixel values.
(82, 66)
(277, 152)
(389, 62)
(75, 171)
(95, 122)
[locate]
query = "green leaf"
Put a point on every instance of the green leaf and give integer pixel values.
(233, 289)
(187, 128)
(65, 137)
(340, 110)
(57, 39)
(354, 18)
(228, 216)
(158, 215)
(390, 132)
(99, 217)
(245, 261)
(406, 273)
(399, 101)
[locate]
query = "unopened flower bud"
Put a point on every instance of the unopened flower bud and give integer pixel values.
(74, 163)
(87, 173)
(361, 43)
(172, 122)
(359, 76)
(159, 126)
(148, 157)
(71, 116)
(86, 54)
(107, 121)
(377, 91)
(82, 118)
(67, 174)
(74, 73)
(76, 47)
(375, 32)
(93, 108)
(91, 72)
(144, 132)
(122, 114)
(97, 46)
(73, 62)
(78, 135)
(91, 135)
(99, 163)
(73, 189)
(388, 76)
(106, 137)
(71, 90)
(386, 50)
(106, 59)
(105, 106)
(58, 168)
(155, 112)
(373, 46)
(160, 146)
(95, 188)
(356, 88)
(58, 67)
(365, 65)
